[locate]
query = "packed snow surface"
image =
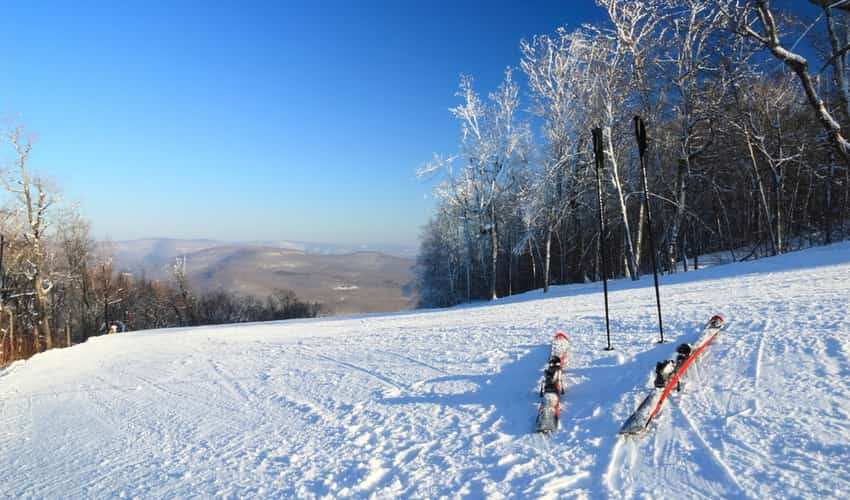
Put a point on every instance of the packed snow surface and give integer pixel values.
(427, 404)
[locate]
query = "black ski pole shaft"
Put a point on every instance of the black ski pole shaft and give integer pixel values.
(600, 159)
(640, 134)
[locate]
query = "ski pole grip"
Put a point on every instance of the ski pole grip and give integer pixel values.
(597, 142)
(640, 134)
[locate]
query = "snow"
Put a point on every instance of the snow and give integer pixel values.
(443, 403)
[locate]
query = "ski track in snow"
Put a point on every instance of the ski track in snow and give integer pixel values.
(442, 404)
(768, 324)
(381, 378)
(712, 452)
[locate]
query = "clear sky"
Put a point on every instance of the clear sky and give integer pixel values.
(254, 120)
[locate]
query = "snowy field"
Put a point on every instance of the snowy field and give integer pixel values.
(431, 404)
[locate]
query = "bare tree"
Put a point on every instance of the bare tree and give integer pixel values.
(493, 143)
(34, 200)
(639, 28)
(551, 65)
(755, 19)
(736, 162)
(691, 61)
(836, 13)
(76, 250)
(184, 303)
(603, 86)
(762, 111)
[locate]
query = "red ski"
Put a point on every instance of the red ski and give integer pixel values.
(560, 346)
(668, 375)
(549, 411)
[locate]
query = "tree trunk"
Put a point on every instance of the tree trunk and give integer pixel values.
(839, 65)
(562, 255)
(678, 218)
(44, 318)
(579, 238)
(450, 276)
(468, 258)
(547, 259)
(494, 254)
(777, 194)
(11, 330)
(777, 188)
(828, 186)
(511, 268)
(468, 282)
(621, 198)
(697, 250)
(846, 209)
(760, 185)
(42, 307)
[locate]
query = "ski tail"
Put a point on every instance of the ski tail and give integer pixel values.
(549, 413)
(549, 410)
(639, 420)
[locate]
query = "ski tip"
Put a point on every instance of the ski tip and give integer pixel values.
(716, 321)
(561, 335)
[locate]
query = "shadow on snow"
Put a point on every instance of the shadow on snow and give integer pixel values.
(511, 393)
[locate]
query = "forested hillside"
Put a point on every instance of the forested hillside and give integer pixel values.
(57, 288)
(747, 149)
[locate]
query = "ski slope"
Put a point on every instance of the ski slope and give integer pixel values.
(442, 403)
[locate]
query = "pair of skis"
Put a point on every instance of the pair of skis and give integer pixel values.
(549, 410)
(668, 376)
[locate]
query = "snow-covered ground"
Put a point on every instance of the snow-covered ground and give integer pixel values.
(427, 404)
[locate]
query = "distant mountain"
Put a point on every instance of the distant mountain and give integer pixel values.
(347, 282)
(337, 249)
(150, 255)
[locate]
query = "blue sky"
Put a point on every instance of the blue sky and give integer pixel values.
(249, 120)
(244, 120)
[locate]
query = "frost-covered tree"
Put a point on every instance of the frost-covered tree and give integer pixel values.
(493, 143)
(34, 199)
(738, 158)
(691, 58)
(756, 20)
(438, 262)
(605, 85)
(552, 65)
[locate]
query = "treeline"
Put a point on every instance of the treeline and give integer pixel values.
(57, 288)
(747, 151)
(123, 302)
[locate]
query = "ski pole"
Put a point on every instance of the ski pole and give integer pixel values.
(599, 157)
(640, 134)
